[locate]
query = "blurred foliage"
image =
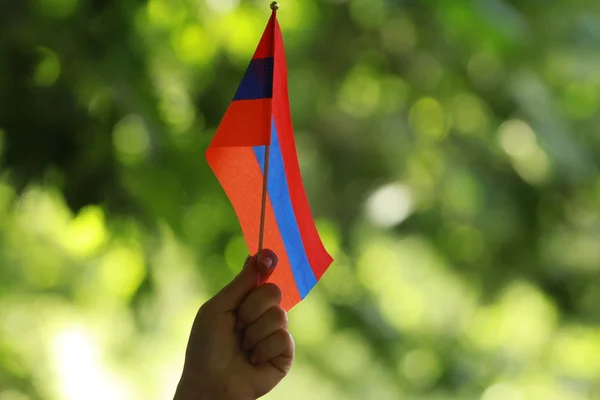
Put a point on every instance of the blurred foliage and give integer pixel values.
(450, 152)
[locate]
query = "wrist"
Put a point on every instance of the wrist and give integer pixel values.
(193, 389)
(188, 391)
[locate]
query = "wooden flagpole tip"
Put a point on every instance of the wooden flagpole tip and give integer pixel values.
(274, 6)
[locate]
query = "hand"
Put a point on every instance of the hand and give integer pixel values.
(239, 347)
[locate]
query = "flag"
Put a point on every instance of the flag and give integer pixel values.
(258, 121)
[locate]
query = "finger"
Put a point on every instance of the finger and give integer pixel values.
(279, 344)
(270, 322)
(257, 303)
(254, 271)
(233, 293)
(267, 261)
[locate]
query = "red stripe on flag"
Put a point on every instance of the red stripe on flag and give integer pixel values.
(317, 255)
(265, 46)
(239, 174)
(246, 123)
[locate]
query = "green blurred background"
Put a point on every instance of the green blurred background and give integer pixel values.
(450, 152)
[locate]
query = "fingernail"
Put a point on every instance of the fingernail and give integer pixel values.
(268, 262)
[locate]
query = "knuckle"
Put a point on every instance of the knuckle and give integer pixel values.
(280, 316)
(286, 337)
(272, 291)
(283, 334)
(243, 314)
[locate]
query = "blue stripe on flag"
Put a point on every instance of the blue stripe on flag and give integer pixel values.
(279, 194)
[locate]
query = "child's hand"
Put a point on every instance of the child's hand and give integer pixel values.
(239, 347)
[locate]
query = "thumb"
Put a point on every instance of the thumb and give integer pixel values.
(257, 270)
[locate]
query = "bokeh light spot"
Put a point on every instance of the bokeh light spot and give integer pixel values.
(42, 212)
(81, 373)
(86, 233)
(204, 218)
(164, 13)
(122, 271)
(530, 161)
(517, 139)
(421, 367)
(389, 205)
(399, 34)
(401, 304)
(576, 352)
(223, 6)
(572, 249)
(468, 114)
(521, 323)
(536, 170)
(427, 119)
(48, 69)
(233, 32)
(329, 234)
(347, 353)
(360, 94)
(131, 139)
(298, 16)
(236, 252)
(177, 110)
(368, 13)
(193, 45)
(485, 70)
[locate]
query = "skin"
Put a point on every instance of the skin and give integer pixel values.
(239, 347)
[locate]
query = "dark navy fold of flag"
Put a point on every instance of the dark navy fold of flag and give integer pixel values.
(253, 155)
(258, 80)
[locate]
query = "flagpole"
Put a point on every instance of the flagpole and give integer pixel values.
(274, 7)
(264, 199)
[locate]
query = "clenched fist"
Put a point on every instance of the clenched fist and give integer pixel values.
(239, 347)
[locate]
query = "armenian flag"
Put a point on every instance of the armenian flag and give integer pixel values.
(254, 149)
